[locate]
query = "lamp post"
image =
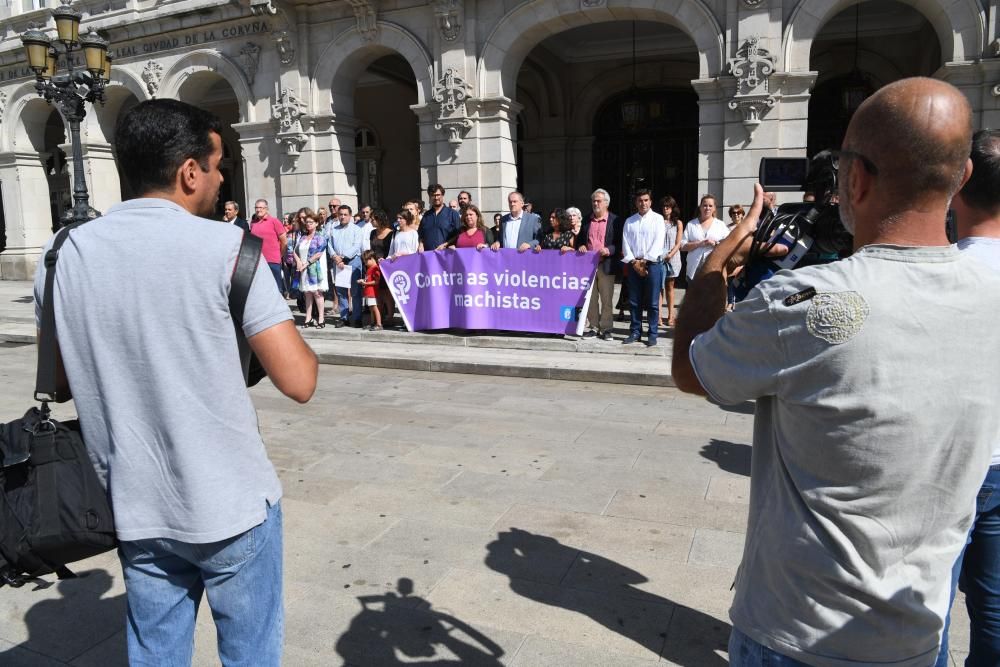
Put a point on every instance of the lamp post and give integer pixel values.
(71, 89)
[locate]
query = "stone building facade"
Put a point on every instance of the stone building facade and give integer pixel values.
(372, 100)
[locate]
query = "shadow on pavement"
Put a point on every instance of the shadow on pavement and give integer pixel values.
(76, 622)
(606, 592)
(730, 456)
(390, 631)
(744, 408)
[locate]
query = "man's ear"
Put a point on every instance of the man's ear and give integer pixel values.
(966, 174)
(861, 183)
(187, 175)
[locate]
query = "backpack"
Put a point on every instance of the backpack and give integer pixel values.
(53, 509)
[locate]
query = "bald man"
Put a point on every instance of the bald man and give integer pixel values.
(875, 413)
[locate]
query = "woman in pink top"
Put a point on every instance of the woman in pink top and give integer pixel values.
(473, 234)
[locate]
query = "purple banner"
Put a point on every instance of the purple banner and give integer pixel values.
(542, 292)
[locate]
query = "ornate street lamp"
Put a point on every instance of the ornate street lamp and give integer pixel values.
(69, 91)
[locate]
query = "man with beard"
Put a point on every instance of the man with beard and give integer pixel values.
(152, 363)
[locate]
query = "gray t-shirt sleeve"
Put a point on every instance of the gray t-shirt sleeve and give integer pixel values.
(265, 307)
(740, 358)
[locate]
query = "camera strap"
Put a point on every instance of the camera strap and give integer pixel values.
(45, 378)
(239, 288)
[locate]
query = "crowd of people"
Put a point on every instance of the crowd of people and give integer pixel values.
(309, 248)
(876, 440)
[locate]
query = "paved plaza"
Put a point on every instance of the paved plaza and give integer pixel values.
(446, 519)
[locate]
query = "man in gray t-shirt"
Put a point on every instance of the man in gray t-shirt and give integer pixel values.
(150, 356)
(874, 421)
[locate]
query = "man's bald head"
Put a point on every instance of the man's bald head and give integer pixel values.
(917, 133)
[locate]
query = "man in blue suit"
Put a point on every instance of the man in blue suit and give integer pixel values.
(519, 228)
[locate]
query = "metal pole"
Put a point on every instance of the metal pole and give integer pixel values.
(81, 198)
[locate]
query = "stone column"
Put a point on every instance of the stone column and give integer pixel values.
(429, 137)
(101, 172)
(494, 134)
(980, 83)
(712, 135)
(28, 217)
(260, 158)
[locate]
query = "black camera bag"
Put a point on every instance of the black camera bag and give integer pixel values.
(53, 509)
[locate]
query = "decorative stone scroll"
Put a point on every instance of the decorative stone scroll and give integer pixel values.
(3, 104)
(753, 4)
(263, 8)
(996, 90)
(152, 73)
(366, 15)
(250, 58)
(448, 13)
(287, 114)
(592, 4)
(752, 67)
(450, 94)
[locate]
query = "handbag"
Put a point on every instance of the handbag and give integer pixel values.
(53, 508)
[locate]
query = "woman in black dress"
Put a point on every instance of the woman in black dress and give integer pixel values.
(561, 237)
(381, 239)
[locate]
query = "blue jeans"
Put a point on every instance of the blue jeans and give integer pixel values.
(276, 272)
(357, 303)
(977, 573)
(745, 652)
(164, 581)
(644, 294)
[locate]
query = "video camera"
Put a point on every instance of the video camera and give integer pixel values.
(811, 230)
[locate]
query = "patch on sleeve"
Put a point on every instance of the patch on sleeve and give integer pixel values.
(836, 317)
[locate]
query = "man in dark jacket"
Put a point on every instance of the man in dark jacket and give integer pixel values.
(231, 214)
(602, 233)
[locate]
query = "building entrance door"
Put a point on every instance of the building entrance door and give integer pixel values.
(648, 139)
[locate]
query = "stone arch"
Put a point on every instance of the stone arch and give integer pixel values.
(882, 70)
(530, 23)
(599, 90)
(960, 26)
(101, 120)
(124, 76)
(348, 55)
(204, 60)
(25, 110)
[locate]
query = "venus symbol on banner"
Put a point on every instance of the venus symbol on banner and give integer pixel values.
(399, 284)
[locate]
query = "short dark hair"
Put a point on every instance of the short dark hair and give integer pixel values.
(982, 190)
(465, 192)
(156, 137)
(380, 218)
(644, 191)
(345, 207)
(434, 187)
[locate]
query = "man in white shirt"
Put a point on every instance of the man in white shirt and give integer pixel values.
(367, 227)
(643, 239)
